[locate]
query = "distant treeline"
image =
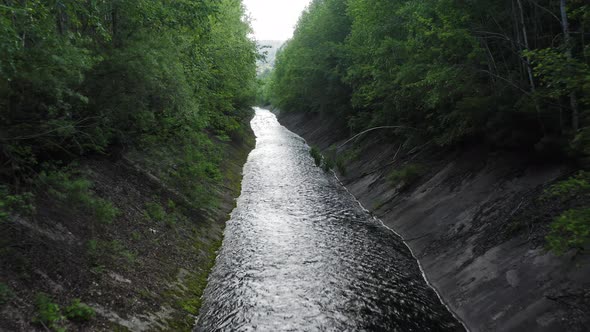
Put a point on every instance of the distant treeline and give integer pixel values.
(513, 73)
(79, 77)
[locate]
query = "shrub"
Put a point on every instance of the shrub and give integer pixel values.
(574, 186)
(9, 203)
(5, 293)
(155, 211)
(406, 176)
(79, 311)
(75, 191)
(571, 230)
(48, 313)
(316, 155)
(328, 164)
(341, 166)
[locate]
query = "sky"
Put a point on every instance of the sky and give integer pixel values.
(274, 19)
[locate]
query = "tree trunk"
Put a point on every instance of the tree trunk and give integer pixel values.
(568, 52)
(528, 66)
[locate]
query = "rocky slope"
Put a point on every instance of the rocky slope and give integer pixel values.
(475, 222)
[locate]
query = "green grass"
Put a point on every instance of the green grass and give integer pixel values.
(155, 211)
(14, 203)
(316, 155)
(404, 177)
(48, 314)
(79, 312)
(75, 192)
(6, 293)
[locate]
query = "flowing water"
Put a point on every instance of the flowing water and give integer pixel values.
(300, 254)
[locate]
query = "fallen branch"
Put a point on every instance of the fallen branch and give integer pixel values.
(371, 129)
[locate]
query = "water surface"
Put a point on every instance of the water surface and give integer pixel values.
(300, 254)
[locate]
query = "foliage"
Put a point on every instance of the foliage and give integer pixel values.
(99, 250)
(572, 187)
(316, 155)
(341, 165)
(404, 177)
(10, 203)
(155, 211)
(48, 313)
(79, 77)
(75, 192)
(571, 230)
(504, 72)
(78, 311)
(6, 293)
(328, 164)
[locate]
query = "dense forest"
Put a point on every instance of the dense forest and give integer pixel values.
(511, 73)
(100, 76)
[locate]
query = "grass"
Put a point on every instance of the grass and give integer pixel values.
(6, 293)
(14, 203)
(74, 192)
(79, 312)
(405, 177)
(48, 314)
(316, 155)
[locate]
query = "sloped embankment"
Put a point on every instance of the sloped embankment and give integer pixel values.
(143, 270)
(474, 220)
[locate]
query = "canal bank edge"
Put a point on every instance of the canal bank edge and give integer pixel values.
(144, 271)
(474, 221)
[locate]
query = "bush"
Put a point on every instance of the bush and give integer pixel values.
(5, 293)
(571, 229)
(9, 203)
(48, 313)
(406, 176)
(155, 211)
(316, 155)
(69, 188)
(79, 311)
(575, 186)
(341, 166)
(328, 164)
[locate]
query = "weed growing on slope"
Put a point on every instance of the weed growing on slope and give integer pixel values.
(404, 177)
(571, 229)
(316, 155)
(6, 293)
(74, 191)
(10, 203)
(78, 311)
(48, 313)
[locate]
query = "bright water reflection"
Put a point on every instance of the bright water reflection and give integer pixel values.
(300, 254)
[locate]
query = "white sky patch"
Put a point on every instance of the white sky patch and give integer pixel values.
(274, 19)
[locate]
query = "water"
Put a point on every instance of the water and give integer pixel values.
(300, 254)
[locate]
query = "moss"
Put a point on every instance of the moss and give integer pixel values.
(190, 299)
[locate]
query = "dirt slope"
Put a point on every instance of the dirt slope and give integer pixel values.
(144, 271)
